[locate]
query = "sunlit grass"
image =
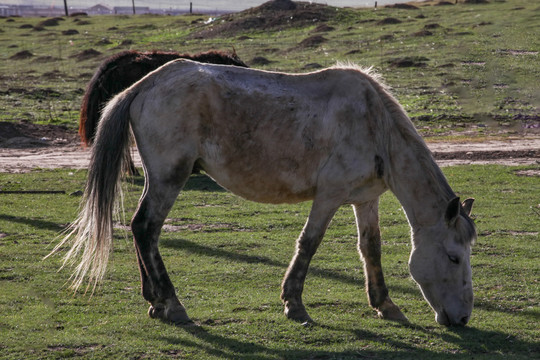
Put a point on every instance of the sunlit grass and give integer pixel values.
(227, 256)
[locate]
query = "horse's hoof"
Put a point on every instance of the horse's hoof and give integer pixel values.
(179, 317)
(298, 314)
(392, 314)
(156, 313)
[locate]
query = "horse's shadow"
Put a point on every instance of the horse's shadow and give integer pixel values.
(202, 250)
(37, 223)
(465, 341)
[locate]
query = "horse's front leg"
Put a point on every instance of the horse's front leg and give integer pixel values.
(306, 246)
(369, 247)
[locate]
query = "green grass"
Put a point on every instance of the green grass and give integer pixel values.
(481, 61)
(226, 256)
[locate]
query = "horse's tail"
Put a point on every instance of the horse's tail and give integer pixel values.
(91, 233)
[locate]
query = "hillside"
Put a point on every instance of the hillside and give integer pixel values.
(465, 67)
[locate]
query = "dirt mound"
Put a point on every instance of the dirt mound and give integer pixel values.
(312, 41)
(70, 32)
(21, 55)
(389, 21)
(409, 61)
(126, 42)
(277, 5)
(50, 22)
(272, 15)
(260, 60)
(402, 6)
(27, 135)
(322, 28)
(86, 54)
(423, 33)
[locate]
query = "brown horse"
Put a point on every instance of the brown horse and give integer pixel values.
(334, 136)
(121, 70)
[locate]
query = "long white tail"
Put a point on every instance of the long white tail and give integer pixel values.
(91, 234)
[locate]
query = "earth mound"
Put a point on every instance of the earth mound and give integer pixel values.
(272, 15)
(21, 55)
(86, 54)
(28, 135)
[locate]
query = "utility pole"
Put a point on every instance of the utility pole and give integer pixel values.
(66, 8)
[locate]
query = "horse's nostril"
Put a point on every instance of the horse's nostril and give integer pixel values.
(464, 320)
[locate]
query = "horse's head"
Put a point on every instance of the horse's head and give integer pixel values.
(440, 263)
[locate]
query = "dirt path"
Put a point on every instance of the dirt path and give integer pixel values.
(511, 152)
(26, 147)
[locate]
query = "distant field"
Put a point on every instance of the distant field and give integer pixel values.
(470, 67)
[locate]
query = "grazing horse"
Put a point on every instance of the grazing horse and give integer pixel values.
(334, 136)
(120, 71)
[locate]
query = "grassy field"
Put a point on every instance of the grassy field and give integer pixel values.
(453, 67)
(474, 70)
(227, 257)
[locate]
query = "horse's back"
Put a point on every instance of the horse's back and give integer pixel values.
(265, 136)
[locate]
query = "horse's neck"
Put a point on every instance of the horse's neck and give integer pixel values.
(418, 184)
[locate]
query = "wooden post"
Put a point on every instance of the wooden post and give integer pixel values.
(66, 8)
(375, 4)
(133, 3)
(191, 8)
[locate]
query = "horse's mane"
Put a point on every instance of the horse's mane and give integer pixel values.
(121, 70)
(397, 119)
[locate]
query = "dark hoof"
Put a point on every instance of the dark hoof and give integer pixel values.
(156, 313)
(298, 314)
(176, 316)
(392, 313)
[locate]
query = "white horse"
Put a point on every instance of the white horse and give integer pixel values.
(334, 136)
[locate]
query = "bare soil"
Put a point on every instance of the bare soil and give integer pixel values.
(25, 146)
(270, 16)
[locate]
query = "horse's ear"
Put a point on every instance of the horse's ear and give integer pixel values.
(452, 211)
(467, 206)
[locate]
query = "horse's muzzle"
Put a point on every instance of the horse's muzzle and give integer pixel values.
(458, 320)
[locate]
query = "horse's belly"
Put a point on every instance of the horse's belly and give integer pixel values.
(261, 186)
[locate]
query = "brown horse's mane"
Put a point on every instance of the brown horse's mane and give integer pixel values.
(123, 69)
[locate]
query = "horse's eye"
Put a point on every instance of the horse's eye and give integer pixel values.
(453, 259)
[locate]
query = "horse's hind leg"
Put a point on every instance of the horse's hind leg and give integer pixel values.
(369, 246)
(156, 202)
(306, 246)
